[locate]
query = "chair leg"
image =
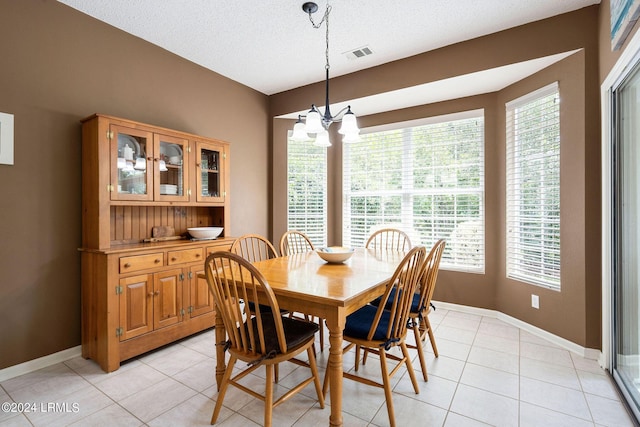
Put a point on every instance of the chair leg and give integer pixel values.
(387, 388)
(268, 396)
(407, 360)
(419, 344)
(325, 382)
(223, 389)
(357, 364)
(276, 372)
(314, 372)
(431, 337)
(321, 324)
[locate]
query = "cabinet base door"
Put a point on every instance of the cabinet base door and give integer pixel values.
(136, 314)
(167, 296)
(201, 300)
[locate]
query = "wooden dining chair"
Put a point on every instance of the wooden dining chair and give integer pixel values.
(378, 330)
(295, 242)
(421, 305)
(257, 337)
(390, 239)
(253, 247)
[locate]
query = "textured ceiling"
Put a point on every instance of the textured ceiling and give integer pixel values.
(271, 46)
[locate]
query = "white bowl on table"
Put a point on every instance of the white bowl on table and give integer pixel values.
(205, 232)
(335, 254)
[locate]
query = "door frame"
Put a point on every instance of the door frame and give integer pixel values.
(622, 67)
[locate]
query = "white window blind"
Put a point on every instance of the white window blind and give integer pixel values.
(307, 190)
(533, 188)
(427, 180)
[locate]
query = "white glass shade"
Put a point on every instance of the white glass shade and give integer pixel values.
(314, 123)
(351, 138)
(298, 132)
(349, 124)
(122, 162)
(322, 139)
(163, 166)
(141, 164)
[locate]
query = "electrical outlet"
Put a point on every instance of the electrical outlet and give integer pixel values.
(535, 301)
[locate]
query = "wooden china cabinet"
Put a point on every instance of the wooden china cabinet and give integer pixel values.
(137, 295)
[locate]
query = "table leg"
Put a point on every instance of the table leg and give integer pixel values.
(221, 338)
(335, 323)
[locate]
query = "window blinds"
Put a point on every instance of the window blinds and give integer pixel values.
(307, 190)
(533, 188)
(426, 180)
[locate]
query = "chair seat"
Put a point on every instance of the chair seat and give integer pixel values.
(296, 332)
(359, 323)
(415, 303)
(264, 308)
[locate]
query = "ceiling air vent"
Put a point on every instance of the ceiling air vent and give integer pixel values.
(360, 52)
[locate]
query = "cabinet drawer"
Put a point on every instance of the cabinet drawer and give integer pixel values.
(140, 262)
(184, 256)
(217, 248)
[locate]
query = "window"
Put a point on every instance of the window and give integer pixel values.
(426, 178)
(533, 188)
(307, 190)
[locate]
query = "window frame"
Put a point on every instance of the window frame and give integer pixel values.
(309, 152)
(408, 218)
(517, 267)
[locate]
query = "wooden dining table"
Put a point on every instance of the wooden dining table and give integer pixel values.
(305, 283)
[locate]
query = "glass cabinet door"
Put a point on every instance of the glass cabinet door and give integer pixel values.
(171, 173)
(210, 182)
(131, 152)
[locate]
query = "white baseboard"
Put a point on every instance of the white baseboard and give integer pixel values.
(41, 362)
(587, 353)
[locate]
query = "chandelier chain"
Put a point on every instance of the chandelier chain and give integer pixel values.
(325, 19)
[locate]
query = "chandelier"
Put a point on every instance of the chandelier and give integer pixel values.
(313, 122)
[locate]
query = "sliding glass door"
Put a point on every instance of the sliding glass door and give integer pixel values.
(626, 237)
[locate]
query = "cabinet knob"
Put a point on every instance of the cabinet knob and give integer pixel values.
(127, 265)
(174, 259)
(150, 294)
(156, 293)
(157, 261)
(197, 255)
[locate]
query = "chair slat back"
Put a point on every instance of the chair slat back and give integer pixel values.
(399, 291)
(391, 239)
(295, 242)
(430, 274)
(233, 281)
(253, 247)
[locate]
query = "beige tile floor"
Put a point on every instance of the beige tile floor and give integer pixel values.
(488, 373)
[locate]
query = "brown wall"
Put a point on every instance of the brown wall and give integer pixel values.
(57, 67)
(574, 312)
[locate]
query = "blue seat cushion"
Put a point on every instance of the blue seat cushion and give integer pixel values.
(414, 304)
(359, 323)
